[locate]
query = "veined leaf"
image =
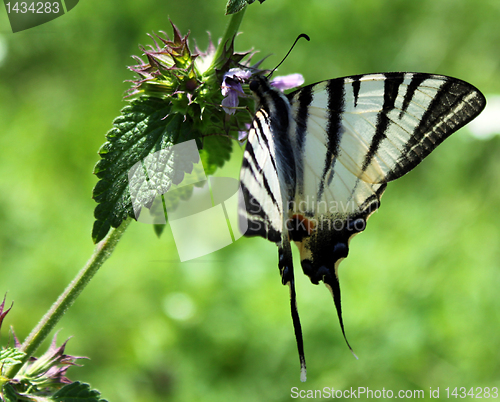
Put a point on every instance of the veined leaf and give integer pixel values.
(77, 392)
(145, 127)
(233, 6)
(11, 356)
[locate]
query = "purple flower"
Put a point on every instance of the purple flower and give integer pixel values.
(49, 370)
(242, 135)
(287, 81)
(231, 88)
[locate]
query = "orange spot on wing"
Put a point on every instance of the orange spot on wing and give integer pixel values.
(305, 223)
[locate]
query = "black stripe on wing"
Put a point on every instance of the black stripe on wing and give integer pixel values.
(260, 120)
(455, 104)
(305, 98)
(391, 89)
(356, 86)
(256, 221)
(410, 92)
(257, 215)
(336, 93)
(259, 177)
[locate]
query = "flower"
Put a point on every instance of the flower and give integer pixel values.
(231, 88)
(287, 81)
(206, 88)
(38, 377)
(170, 69)
(189, 81)
(49, 370)
(243, 134)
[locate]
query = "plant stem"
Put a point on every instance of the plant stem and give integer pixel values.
(229, 34)
(102, 252)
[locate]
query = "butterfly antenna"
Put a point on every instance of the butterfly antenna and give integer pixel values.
(284, 58)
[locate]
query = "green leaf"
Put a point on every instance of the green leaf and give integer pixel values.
(11, 356)
(8, 393)
(216, 151)
(77, 392)
(144, 127)
(233, 6)
(159, 228)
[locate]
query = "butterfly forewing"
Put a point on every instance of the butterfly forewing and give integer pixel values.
(353, 134)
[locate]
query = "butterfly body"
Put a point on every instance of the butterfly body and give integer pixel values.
(318, 160)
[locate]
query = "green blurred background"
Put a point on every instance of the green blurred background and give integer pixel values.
(420, 288)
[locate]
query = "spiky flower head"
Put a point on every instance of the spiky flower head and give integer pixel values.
(170, 70)
(189, 80)
(204, 88)
(49, 370)
(38, 377)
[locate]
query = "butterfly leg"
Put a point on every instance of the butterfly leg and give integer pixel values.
(285, 265)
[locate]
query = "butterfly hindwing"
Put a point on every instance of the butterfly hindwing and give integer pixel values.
(267, 180)
(268, 172)
(260, 183)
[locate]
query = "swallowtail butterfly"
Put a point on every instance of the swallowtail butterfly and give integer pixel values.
(318, 160)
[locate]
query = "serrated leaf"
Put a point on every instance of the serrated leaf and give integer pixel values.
(11, 356)
(144, 127)
(8, 393)
(77, 392)
(233, 6)
(142, 138)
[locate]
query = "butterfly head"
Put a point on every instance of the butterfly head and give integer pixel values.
(259, 85)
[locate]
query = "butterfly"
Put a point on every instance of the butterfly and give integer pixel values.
(318, 160)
